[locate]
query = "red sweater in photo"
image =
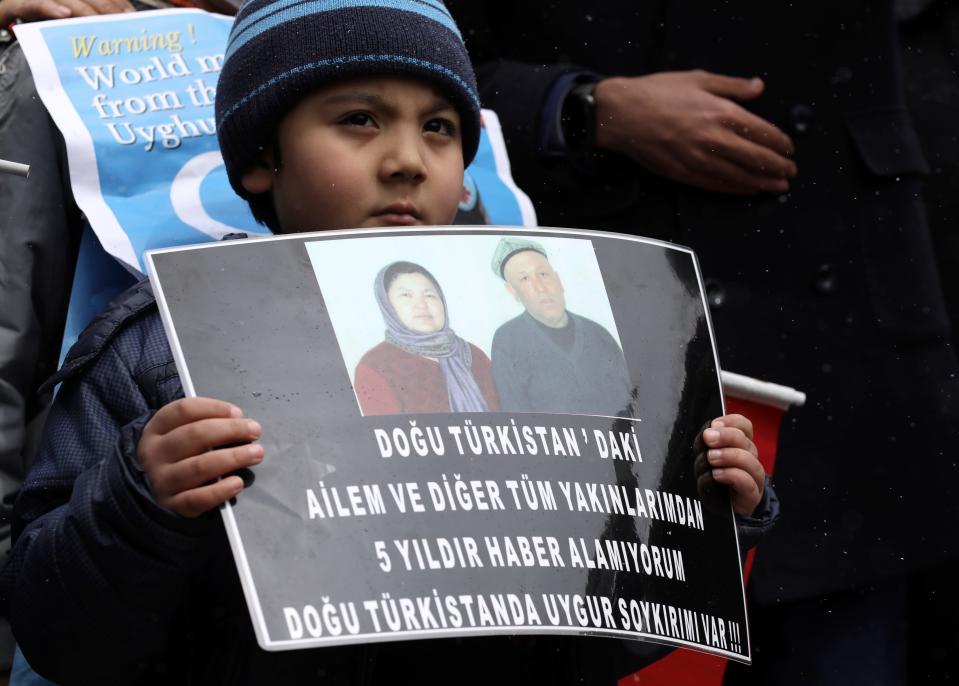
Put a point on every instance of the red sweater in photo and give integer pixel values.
(392, 381)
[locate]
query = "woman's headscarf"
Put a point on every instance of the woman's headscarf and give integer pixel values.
(452, 351)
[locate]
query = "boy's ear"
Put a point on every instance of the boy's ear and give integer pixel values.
(259, 179)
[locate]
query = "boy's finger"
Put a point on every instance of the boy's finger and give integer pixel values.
(206, 434)
(704, 484)
(728, 437)
(198, 501)
(186, 410)
(736, 458)
(745, 492)
(196, 471)
(700, 464)
(736, 421)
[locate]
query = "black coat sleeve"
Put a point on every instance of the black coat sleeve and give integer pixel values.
(753, 528)
(516, 90)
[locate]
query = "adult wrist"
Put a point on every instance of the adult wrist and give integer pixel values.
(605, 94)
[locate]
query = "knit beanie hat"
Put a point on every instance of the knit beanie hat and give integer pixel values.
(280, 51)
(509, 246)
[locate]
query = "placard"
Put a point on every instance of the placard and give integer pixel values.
(561, 496)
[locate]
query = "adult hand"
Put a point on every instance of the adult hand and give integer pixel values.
(36, 10)
(178, 450)
(686, 126)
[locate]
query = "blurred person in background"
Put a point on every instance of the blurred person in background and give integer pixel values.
(929, 33)
(40, 232)
(773, 138)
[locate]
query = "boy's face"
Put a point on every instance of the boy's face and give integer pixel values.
(365, 152)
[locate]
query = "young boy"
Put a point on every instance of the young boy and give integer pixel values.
(330, 116)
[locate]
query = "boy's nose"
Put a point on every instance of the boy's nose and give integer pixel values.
(404, 160)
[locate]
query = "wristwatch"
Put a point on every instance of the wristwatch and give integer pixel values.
(579, 119)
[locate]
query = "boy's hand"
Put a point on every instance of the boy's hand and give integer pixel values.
(178, 451)
(732, 459)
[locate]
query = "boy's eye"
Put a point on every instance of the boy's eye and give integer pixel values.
(440, 125)
(358, 119)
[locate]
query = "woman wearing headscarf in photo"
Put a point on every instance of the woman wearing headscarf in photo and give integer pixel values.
(422, 366)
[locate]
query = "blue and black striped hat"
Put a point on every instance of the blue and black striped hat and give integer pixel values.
(280, 51)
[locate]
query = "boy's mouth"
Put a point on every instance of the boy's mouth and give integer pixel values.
(399, 214)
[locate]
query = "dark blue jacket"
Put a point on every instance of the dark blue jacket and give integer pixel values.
(105, 586)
